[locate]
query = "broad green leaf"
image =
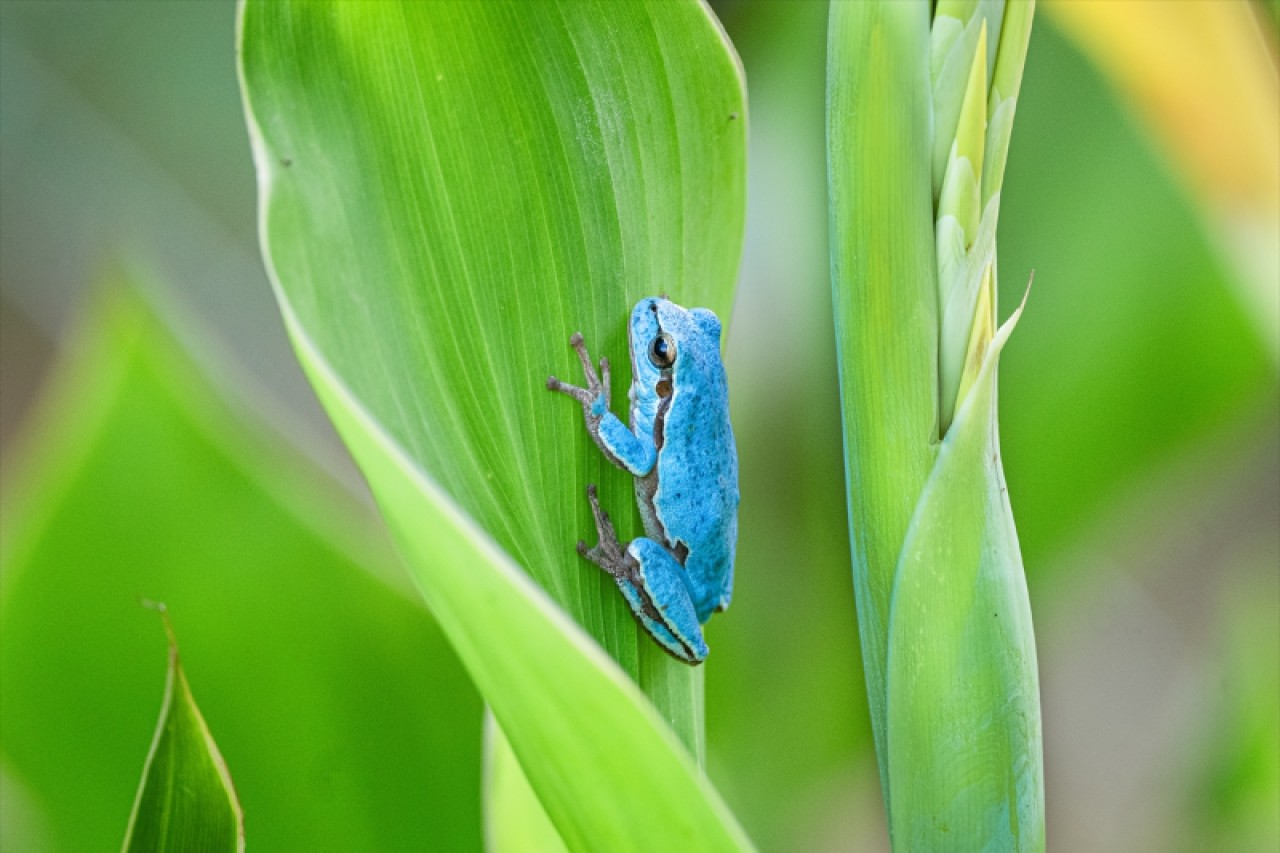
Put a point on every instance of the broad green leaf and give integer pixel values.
(963, 694)
(186, 800)
(882, 281)
(449, 191)
(334, 698)
(609, 771)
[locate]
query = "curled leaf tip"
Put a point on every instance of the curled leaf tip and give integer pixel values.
(163, 609)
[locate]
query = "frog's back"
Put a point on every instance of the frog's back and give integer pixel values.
(697, 495)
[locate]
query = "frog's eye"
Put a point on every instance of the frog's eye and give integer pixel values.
(662, 351)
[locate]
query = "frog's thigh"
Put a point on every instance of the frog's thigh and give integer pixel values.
(636, 455)
(660, 599)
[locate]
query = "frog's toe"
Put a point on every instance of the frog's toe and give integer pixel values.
(553, 384)
(575, 340)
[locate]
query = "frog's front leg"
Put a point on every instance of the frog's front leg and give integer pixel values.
(652, 581)
(636, 454)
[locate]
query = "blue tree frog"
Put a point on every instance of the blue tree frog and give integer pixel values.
(680, 450)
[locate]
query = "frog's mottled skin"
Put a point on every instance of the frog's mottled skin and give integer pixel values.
(680, 449)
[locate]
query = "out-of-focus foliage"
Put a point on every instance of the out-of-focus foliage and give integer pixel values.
(332, 694)
(186, 800)
(1132, 348)
(122, 128)
(1202, 73)
(1234, 791)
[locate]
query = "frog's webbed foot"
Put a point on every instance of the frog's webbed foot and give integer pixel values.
(595, 397)
(608, 553)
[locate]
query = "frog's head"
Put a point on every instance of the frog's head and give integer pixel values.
(671, 347)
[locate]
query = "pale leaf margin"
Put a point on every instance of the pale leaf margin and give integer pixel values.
(514, 820)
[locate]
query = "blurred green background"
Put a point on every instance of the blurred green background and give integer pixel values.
(160, 442)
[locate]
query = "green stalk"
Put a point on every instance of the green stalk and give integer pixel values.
(883, 276)
(920, 109)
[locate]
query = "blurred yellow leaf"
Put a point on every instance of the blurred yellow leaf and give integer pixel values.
(1202, 75)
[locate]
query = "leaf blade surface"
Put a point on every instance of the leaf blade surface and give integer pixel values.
(449, 190)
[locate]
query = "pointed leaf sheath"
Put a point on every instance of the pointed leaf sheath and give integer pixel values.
(186, 801)
(962, 265)
(964, 733)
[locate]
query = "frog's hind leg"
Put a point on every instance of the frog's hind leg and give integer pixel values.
(652, 582)
(660, 599)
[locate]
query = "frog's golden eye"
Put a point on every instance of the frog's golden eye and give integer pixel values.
(662, 351)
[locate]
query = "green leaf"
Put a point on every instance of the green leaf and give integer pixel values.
(609, 771)
(964, 257)
(964, 735)
(968, 203)
(186, 801)
(449, 191)
(335, 698)
(883, 277)
(1006, 82)
(954, 35)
